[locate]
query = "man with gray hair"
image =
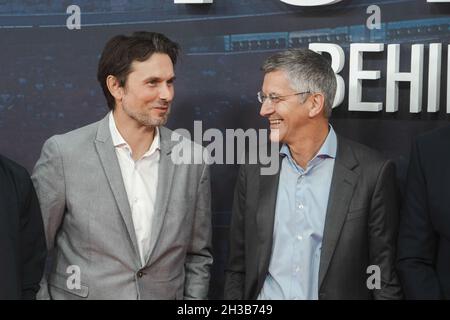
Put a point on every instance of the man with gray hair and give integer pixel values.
(324, 226)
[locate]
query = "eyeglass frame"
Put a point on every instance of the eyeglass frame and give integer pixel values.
(262, 97)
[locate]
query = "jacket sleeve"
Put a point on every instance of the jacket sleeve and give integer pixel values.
(383, 231)
(48, 180)
(33, 250)
(417, 242)
(199, 256)
(235, 270)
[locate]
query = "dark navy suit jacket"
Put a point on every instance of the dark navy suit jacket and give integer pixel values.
(22, 241)
(424, 237)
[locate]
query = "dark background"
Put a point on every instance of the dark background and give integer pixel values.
(48, 73)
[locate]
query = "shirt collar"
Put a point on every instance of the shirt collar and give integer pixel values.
(327, 150)
(119, 141)
(329, 147)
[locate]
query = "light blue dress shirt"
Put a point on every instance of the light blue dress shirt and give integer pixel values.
(300, 212)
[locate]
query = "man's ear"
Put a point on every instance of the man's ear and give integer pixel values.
(114, 87)
(317, 105)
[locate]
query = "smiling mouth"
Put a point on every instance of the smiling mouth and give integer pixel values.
(275, 122)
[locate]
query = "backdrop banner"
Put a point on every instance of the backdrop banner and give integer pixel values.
(391, 58)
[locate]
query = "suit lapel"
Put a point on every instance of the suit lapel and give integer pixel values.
(165, 178)
(108, 159)
(265, 218)
(341, 192)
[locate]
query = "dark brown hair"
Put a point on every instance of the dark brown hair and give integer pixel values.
(120, 52)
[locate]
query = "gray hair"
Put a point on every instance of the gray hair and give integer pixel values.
(307, 71)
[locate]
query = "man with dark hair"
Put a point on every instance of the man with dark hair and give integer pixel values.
(125, 219)
(22, 240)
(324, 226)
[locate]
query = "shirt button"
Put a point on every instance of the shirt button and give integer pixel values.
(300, 206)
(299, 237)
(140, 274)
(297, 269)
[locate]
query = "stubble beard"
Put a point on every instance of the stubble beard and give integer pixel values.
(145, 119)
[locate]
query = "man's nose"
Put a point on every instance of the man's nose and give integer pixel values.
(166, 92)
(266, 108)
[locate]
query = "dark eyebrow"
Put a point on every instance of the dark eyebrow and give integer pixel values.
(157, 79)
(153, 79)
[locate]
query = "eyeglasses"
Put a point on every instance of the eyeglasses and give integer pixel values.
(274, 99)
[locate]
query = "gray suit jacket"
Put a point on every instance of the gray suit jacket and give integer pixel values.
(89, 225)
(360, 228)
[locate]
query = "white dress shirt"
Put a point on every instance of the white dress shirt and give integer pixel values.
(141, 180)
